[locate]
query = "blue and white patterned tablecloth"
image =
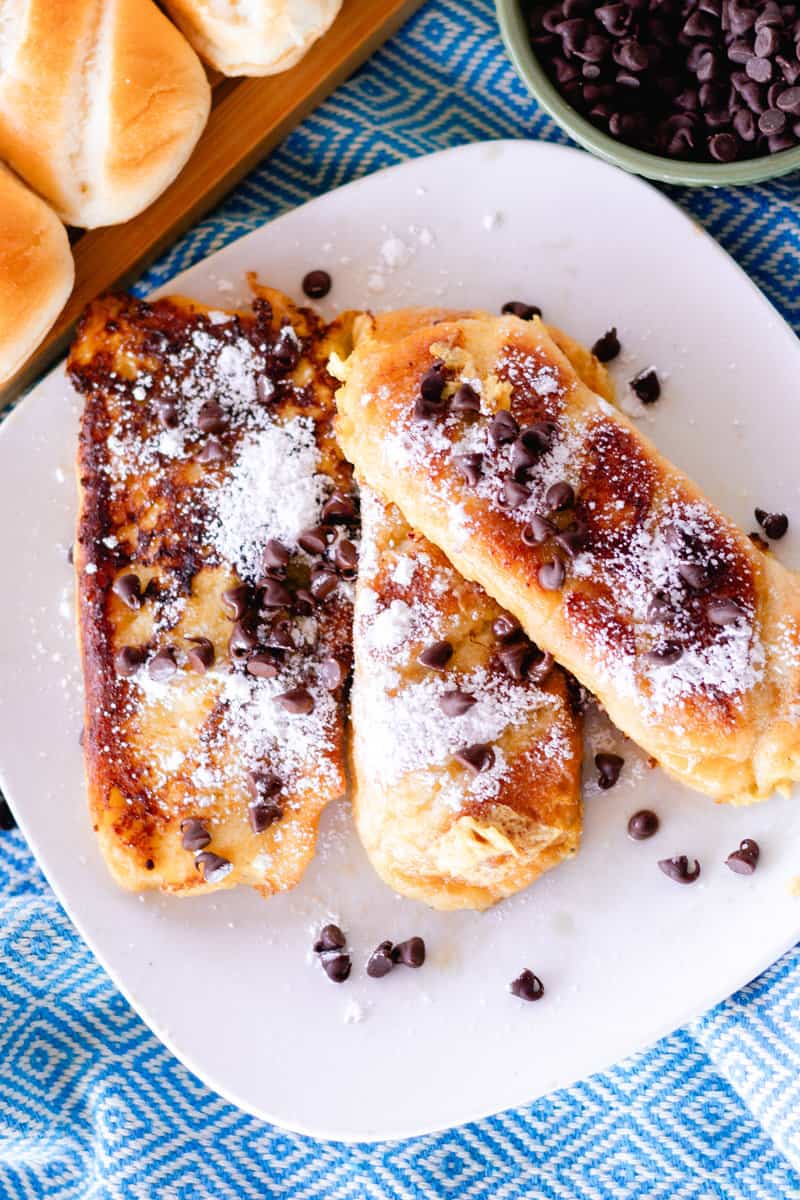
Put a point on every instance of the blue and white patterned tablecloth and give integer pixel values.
(92, 1105)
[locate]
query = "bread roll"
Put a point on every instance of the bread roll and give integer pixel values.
(101, 104)
(36, 272)
(253, 37)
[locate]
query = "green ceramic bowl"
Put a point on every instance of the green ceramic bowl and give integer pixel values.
(668, 170)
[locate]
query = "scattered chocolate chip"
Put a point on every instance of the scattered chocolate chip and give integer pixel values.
(456, 703)
(744, 860)
(279, 636)
(7, 818)
(551, 575)
(332, 673)
(129, 589)
(162, 665)
(678, 869)
(608, 769)
(427, 411)
(465, 400)
(201, 656)
(410, 953)
(724, 612)
(436, 656)
(773, 524)
(477, 758)
(317, 284)
(261, 665)
(646, 385)
(303, 603)
(194, 834)
(503, 428)
(210, 452)
(643, 824)
(167, 414)
(337, 967)
(380, 961)
(513, 494)
(339, 510)
(264, 813)
(213, 866)
(541, 666)
(659, 609)
(237, 600)
(212, 418)
(695, 575)
(517, 308)
(664, 654)
(431, 385)
(506, 628)
(469, 467)
(243, 639)
(330, 938)
(608, 346)
(313, 541)
(128, 659)
(275, 594)
(297, 701)
(285, 351)
(274, 556)
(538, 530)
(346, 557)
(515, 659)
(324, 582)
(573, 539)
(527, 986)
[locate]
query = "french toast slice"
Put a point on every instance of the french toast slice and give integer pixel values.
(214, 566)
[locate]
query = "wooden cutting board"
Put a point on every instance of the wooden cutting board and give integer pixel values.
(248, 118)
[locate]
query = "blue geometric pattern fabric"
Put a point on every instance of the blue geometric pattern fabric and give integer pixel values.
(93, 1106)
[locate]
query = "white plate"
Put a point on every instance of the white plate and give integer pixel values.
(626, 955)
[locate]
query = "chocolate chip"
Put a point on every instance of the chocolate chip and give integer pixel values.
(129, 590)
(551, 575)
(303, 603)
(724, 612)
(660, 608)
(346, 557)
(279, 636)
(162, 665)
(243, 639)
(469, 467)
(261, 665)
(607, 347)
(515, 659)
(275, 594)
(340, 510)
(517, 308)
(789, 101)
(237, 600)
(313, 541)
(559, 496)
(212, 418)
(264, 813)
(678, 869)
(380, 961)
(642, 825)
(213, 866)
(297, 701)
(773, 524)
(274, 556)
(317, 284)
(436, 656)
(573, 539)
(695, 575)
(538, 438)
(476, 758)
(538, 530)
(337, 967)
(330, 938)
(506, 628)
(210, 452)
(128, 659)
(431, 385)
(285, 351)
(167, 414)
(410, 953)
(744, 860)
(332, 673)
(456, 703)
(513, 494)
(541, 666)
(465, 400)
(324, 582)
(664, 654)
(503, 428)
(201, 657)
(646, 384)
(608, 769)
(194, 834)
(527, 986)
(427, 411)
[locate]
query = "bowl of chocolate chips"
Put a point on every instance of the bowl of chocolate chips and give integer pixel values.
(700, 92)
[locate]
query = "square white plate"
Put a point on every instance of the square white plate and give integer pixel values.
(228, 982)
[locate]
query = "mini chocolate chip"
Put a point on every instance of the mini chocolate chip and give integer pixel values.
(237, 600)
(436, 656)
(261, 665)
(410, 953)
(264, 813)
(646, 384)
(337, 967)
(465, 400)
(317, 284)
(538, 438)
(332, 674)
(506, 628)
(659, 609)
(515, 659)
(211, 451)
(744, 860)
(559, 496)
(129, 590)
(664, 654)
(297, 701)
(477, 758)
(243, 639)
(167, 414)
(724, 612)
(608, 768)
(279, 636)
(213, 866)
(678, 869)
(274, 556)
(503, 428)
(551, 575)
(608, 346)
(456, 703)
(540, 668)
(324, 582)
(773, 524)
(212, 418)
(431, 385)
(538, 530)
(346, 557)
(517, 308)
(303, 603)
(330, 938)
(789, 101)
(469, 467)
(264, 784)
(380, 961)
(527, 986)
(286, 349)
(195, 835)
(512, 494)
(428, 411)
(572, 540)
(522, 459)
(313, 541)
(128, 659)
(275, 594)
(695, 575)
(201, 657)
(339, 510)
(162, 665)
(643, 824)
